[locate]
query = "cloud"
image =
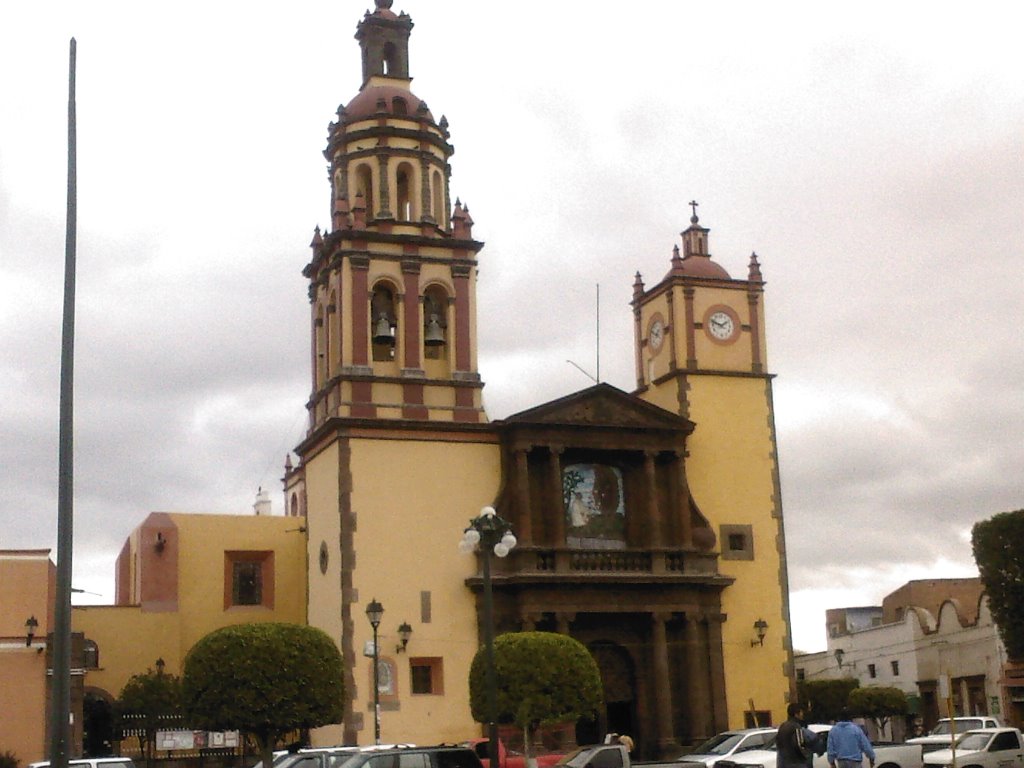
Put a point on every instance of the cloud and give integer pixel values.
(878, 171)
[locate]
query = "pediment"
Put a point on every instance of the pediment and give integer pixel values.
(605, 406)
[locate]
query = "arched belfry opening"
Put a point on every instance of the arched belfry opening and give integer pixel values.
(404, 180)
(383, 322)
(435, 323)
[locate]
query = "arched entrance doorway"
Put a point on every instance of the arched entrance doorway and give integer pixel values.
(98, 724)
(618, 676)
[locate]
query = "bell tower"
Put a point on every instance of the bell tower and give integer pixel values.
(392, 282)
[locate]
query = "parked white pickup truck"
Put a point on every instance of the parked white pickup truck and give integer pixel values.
(886, 755)
(982, 748)
(942, 735)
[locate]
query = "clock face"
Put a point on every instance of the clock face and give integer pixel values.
(721, 325)
(656, 335)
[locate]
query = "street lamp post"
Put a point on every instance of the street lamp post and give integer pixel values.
(375, 612)
(489, 532)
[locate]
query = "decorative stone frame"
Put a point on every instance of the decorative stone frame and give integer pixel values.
(737, 541)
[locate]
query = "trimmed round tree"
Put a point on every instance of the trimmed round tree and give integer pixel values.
(265, 680)
(825, 699)
(542, 678)
(880, 703)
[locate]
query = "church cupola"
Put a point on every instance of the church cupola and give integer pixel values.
(384, 40)
(393, 282)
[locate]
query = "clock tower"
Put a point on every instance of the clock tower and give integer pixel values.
(697, 321)
(700, 352)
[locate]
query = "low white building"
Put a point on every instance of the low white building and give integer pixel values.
(923, 632)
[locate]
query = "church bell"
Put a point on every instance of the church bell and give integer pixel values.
(434, 334)
(383, 333)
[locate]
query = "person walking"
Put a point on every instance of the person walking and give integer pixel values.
(795, 741)
(847, 744)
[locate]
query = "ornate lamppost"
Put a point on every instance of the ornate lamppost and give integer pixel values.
(375, 612)
(489, 532)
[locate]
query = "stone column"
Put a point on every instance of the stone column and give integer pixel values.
(697, 680)
(756, 364)
(412, 325)
(716, 669)
(673, 361)
(384, 188)
(463, 344)
(427, 213)
(525, 524)
(557, 506)
(662, 684)
(683, 491)
(528, 621)
(562, 621)
(691, 339)
(654, 523)
(360, 310)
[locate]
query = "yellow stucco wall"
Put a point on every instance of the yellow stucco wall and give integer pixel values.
(26, 589)
(129, 642)
(434, 488)
(205, 539)
(730, 471)
(23, 702)
(731, 475)
(131, 639)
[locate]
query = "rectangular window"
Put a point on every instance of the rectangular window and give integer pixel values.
(248, 579)
(425, 607)
(871, 670)
(246, 583)
(895, 669)
(760, 718)
(426, 675)
(737, 542)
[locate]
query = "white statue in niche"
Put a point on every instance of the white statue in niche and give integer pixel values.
(579, 513)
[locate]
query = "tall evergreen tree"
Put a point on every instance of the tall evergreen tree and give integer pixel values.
(998, 545)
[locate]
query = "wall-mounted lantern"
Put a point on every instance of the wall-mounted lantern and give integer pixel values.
(404, 632)
(760, 630)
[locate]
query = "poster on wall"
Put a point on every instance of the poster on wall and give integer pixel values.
(595, 511)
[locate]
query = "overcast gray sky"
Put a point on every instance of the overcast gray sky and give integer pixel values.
(871, 153)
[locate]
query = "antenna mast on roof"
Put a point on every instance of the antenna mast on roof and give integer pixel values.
(597, 319)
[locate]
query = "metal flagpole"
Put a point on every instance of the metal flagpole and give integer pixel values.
(60, 717)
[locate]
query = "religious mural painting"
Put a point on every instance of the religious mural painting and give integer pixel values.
(595, 512)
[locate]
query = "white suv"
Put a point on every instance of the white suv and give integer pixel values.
(941, 736)
(90, 762)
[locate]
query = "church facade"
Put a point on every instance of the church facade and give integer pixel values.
(649, 523)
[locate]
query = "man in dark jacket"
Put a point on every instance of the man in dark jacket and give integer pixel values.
(795, 742)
